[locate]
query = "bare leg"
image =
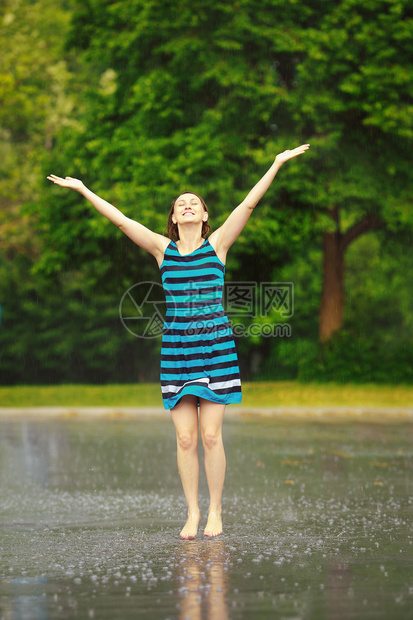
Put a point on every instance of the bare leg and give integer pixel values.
(185, 419)
(211, 418)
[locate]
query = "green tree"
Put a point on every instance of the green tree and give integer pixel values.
(205, 95)
(34, 103)
(174, 108)
(200, 96)
(353, 96)
(189, 100)
(39, 95)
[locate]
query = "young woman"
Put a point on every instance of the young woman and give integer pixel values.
(199, 366)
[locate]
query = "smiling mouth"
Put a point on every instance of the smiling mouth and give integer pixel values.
(188, 213)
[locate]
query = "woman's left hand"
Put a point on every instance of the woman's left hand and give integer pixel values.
(286, 155)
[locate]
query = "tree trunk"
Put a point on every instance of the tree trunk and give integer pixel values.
(335, 245)
(332, 301)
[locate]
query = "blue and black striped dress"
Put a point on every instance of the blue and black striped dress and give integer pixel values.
(198, 352)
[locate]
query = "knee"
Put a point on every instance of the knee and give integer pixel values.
(210, 439)
(187, 441)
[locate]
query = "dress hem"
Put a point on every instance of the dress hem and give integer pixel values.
(202, 392)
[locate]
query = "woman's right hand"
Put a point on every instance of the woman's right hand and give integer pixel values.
(75, 184)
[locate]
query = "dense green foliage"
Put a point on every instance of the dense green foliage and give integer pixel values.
(145, 98)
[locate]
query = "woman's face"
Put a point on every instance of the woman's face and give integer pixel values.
(189, 208)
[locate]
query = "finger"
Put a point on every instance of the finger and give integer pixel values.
(53, 177)
(301, 149)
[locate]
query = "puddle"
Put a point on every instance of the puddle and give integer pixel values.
(317, 522)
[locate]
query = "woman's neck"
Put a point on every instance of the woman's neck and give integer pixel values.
(189, 240)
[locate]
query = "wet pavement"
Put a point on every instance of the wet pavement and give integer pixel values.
(317, 522)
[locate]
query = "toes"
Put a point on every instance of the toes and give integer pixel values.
(212, 533)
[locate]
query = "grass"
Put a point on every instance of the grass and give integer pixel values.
(262, 394)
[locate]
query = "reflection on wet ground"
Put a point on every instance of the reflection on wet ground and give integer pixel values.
(317, 522)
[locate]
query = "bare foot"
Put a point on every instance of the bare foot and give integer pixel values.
(190, 528)
(214, 524)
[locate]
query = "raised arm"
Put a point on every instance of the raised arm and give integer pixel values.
(225, 235)
(148, 240)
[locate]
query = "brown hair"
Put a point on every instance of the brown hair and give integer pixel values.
(172, 229)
